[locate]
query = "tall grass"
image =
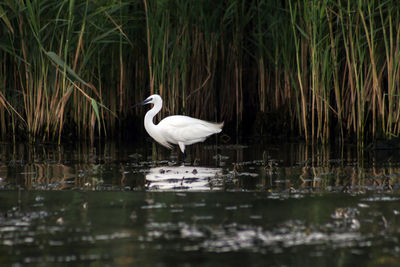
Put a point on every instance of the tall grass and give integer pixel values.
(344, 75)
(59, 57)
(318, 69)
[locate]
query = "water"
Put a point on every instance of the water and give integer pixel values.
(260, 205)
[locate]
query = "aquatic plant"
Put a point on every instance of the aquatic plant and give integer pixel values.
(315, 68)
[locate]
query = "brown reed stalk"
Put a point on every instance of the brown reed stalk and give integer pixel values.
(316, 67)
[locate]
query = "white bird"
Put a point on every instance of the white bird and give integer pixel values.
(178, 129)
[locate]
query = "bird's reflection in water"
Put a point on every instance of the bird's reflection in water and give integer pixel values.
(188, 178)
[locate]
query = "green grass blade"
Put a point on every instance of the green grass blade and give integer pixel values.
(56, 59)
(96, 111)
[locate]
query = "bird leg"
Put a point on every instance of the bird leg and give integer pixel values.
(184, 157)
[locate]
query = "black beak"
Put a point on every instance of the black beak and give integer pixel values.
(142, 103)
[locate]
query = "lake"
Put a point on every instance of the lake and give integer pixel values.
(249, 204)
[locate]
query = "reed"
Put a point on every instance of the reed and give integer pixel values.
(355, 31)
(315, 68)
(56, 51)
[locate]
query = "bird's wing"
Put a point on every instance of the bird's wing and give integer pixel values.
(188, 130)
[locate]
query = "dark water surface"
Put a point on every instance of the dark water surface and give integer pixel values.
(259, 205)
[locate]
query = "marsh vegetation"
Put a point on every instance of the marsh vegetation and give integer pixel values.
(316, 69)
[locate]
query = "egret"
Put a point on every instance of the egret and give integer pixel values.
(178, 129)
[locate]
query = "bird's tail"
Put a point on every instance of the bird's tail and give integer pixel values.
(220, 125)
(216, 126)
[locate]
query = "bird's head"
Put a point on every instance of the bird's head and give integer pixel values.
(150, 100)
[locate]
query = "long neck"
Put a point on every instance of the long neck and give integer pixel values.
(148, 118)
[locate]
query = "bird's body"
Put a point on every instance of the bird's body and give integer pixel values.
(178, 129)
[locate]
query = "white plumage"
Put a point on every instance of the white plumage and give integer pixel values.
(179, 130)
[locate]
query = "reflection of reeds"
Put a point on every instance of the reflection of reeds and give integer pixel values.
(320, 67)
(278, 168)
